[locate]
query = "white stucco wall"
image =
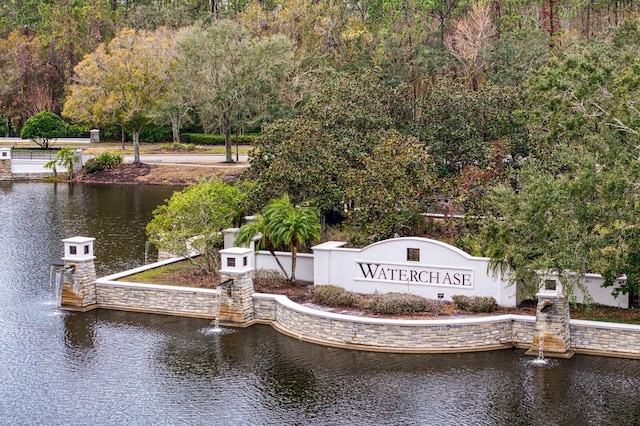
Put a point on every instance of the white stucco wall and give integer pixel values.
(598, 294)
(304, 263)
(441, 271)
(23, 166)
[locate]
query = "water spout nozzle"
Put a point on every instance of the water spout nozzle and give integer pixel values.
(546, 308)
(227, 285)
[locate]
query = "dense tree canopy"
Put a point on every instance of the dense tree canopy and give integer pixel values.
(573, 208)
(44, 128)
(512, 111)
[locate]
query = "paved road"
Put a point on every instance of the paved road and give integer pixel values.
(212, 160)
(18, 141)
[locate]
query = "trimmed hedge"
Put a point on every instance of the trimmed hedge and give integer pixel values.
(403, 303)
(207, 139)
(334, 296)
(475, 303)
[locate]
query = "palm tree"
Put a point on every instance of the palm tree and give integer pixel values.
(250, 230)
(292, 226)
(283, 224)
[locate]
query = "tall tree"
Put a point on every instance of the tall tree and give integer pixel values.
(229, 74)
(389, 194)
(123, 81)
(308, 157)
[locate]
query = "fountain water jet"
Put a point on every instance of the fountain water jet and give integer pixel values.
(540, 360)
(216, 329)
(55, 280)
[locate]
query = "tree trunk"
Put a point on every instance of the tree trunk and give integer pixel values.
(294, 260)
(551, 20)
(214, 9)
(136, 147)
(227, 139)
(269, 247)
(175, 127)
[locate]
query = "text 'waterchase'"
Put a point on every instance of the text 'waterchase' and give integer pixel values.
(420, 275)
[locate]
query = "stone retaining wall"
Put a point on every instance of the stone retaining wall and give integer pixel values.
(160, 299)
(455, 335)
(184, 301)
(603, 338)
(5, 169)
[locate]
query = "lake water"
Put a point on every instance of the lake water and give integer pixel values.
(121, 368)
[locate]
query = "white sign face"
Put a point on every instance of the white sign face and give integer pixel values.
(414, 274)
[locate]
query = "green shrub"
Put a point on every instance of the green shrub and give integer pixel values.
(403, 303)
(77, 131)
(156, 134)
(44, 128)
(103, 161)
(179, 146)
(4, 127)
(475, 303)
(334, 296)
(207, 139)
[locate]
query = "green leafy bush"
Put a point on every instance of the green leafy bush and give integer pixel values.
(4, 127)
(207, 139)
(403, 303)
(43, 128)
(156, 134)
(475, 303)
(334, 296)
(77, 131)
(103, 161)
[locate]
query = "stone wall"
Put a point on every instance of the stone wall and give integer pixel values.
(326, 328)
(170, 300)
(5, 169)
(78, 288)
(236, 305)
(600, 338)
(456, 335)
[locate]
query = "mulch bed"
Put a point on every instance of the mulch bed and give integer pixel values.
(155, 174)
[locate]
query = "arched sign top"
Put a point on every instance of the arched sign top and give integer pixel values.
(414, 249)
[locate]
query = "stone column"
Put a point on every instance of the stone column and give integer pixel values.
(552, 329)
(76, 165)
(5, 164)
(236, 277)
(94, 135)
(78, 275)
